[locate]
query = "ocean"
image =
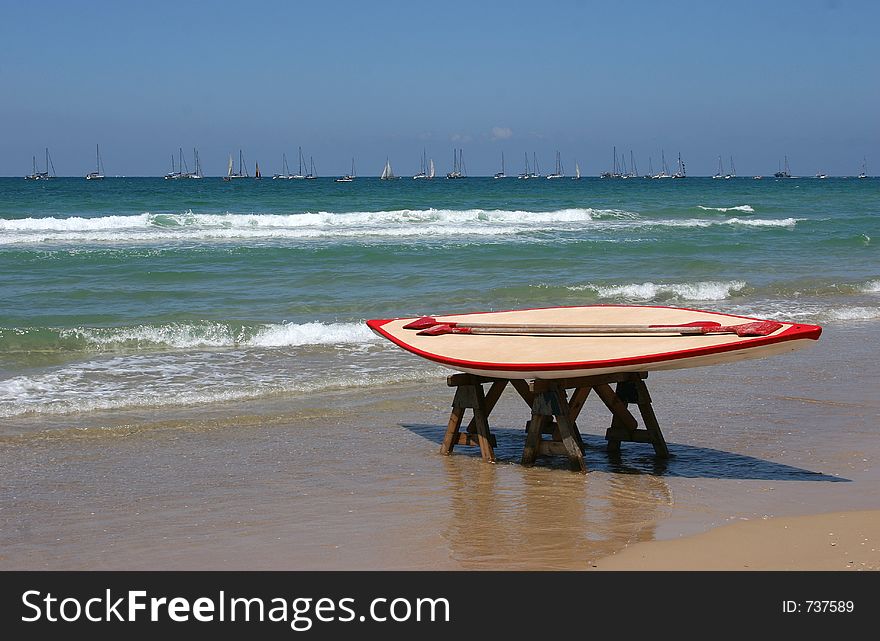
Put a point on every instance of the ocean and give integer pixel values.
(142, 295)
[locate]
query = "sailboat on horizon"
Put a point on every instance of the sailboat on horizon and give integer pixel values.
(348, 177)
(423, 167)
(285, 170)
(98, 174)
(196, 174)
(784, 172)
(182, 171)
(312, 175)
(174, 174)
(501, 173)
(633, 170)
(664, 170)
(680, 172)
(458, 170)
(720, 173)
(615, 168)
(42, 175)
(864, 172)
(559, 172)
(387, 172)
(527, 173)
(577, 171)
(299, 174)
(242, 171)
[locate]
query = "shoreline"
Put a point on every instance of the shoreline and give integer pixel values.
(825, 541)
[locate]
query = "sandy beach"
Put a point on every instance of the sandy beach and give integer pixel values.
(834, 541)
(346, 480)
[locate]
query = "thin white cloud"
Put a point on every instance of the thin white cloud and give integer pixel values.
(461, 138)
(501, 133)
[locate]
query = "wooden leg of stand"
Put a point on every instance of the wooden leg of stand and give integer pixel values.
(533, 439)
(570, 439)
(575, 405)
(482, 422)
(650, 420)
(450, 439)
(619, 426)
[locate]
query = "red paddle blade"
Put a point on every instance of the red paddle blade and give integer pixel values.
(758, 328)
(422, 323)
(439, 330)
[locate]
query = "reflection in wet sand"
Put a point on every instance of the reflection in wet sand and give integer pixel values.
(545, 518)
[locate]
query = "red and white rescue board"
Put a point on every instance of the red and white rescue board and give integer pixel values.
(562, 356)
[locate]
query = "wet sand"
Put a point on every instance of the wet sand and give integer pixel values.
(836, 541)
(354, 480)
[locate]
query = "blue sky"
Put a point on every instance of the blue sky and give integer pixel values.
(755, 80)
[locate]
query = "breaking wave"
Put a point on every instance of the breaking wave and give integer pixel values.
(189, 226)
(701, 291)
(743, 208)
(160, 380)
(206, 334)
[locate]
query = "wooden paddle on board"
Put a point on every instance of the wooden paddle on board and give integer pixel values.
(429, 321)
(698, 328)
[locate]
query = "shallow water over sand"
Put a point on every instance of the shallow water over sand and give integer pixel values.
(353, 479)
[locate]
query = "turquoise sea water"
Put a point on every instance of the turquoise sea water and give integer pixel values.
(143, 293)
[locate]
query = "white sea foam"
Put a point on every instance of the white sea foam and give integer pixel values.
(775, 222)
(704, 222)
(744, 208)
(189, 226)
(171, 380)
(805, 311)
(295, 335)
(214, 334)
(705, 290)
(871, 287)
(853, 313)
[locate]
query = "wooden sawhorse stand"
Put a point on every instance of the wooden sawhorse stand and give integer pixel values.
(554, 413)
